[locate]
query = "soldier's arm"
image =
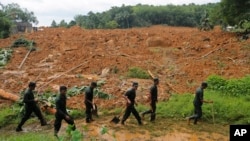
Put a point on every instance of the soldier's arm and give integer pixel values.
(125, 96)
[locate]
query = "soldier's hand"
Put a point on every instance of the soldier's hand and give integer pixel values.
(67, 117)
(36, 100)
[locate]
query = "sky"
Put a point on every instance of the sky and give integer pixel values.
(48, 10)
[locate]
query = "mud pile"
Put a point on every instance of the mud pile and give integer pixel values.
(180, 57)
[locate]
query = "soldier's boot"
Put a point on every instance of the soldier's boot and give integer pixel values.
(19, 127)
(56, 133)
(152, 117)
(43, 122)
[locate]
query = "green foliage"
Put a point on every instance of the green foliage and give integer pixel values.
(227, 109)
(103, 130)
(111, 24)
(232, 87)
(136, 72)
(29, 136)
(16, 13)
(145, 15)
(74, 135)
(76, 91)
(234, 11)
(5, 25)
(243, 27)
(7, 116)
(179, 106)
(21, 42)
(5, 55)
(54, 24)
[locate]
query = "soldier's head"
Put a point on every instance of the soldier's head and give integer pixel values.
(204, 85)
(93, 85)
(156, 81)
(32, 85)
(135, 85)
(63, 90)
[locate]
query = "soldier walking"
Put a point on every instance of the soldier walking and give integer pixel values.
(89, 94)
(153, 97)
(61, 112)
(130, 96)
(30, 106)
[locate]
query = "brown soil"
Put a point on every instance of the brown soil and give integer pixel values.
(181, 57)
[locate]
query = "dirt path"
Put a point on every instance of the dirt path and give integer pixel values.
(161, 130)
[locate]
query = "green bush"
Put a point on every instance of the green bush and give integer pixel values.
(5, 55)
(227, 109)
(233, 87)
(136, 72)
(21, 42)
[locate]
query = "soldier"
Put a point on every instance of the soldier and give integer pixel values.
(61, 112)
(130, 99)
(198, 101)
(89, 101)
(153, 97)
(30, 106)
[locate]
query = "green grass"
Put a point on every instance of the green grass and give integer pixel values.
(29, 136)
(8, 116)
(227, 109)
(136, 72)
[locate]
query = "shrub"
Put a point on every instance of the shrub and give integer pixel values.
(136, 72)
(233, 87)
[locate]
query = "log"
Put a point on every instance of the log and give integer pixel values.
(49, 110)
(8, 96)
(62, 75)
(26, 56)
(14, 98)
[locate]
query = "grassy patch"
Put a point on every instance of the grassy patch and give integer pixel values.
(136, 72)
(8, 116)
(30, 136)
(227, 109)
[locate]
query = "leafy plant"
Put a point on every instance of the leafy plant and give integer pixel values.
(5, 55)
(21, 42)
(136, 72)
(233, 87)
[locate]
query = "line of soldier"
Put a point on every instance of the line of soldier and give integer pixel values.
(129, 96)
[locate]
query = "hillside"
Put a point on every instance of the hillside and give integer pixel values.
(181, 57)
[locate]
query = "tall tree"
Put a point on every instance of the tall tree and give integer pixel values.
(63, 23)
(16, 13)
(53, 24)
(5, 25)
(235, 10)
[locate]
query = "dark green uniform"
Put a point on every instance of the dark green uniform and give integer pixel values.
(154, 99)
(131, 94)
(30, 106)
(198, 101)
(61, 113)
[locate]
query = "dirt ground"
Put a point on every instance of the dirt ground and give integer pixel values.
(161, 130)
(181, 57)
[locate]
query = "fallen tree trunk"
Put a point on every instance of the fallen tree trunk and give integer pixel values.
(14, 98)
(8, 96)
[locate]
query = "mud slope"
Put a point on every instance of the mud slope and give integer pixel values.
(180, 57)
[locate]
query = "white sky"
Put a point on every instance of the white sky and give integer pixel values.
(48, 10)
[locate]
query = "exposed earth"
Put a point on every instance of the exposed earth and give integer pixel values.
(181, 57)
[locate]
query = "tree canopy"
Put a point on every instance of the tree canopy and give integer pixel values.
(12, 13)
(234, 11)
